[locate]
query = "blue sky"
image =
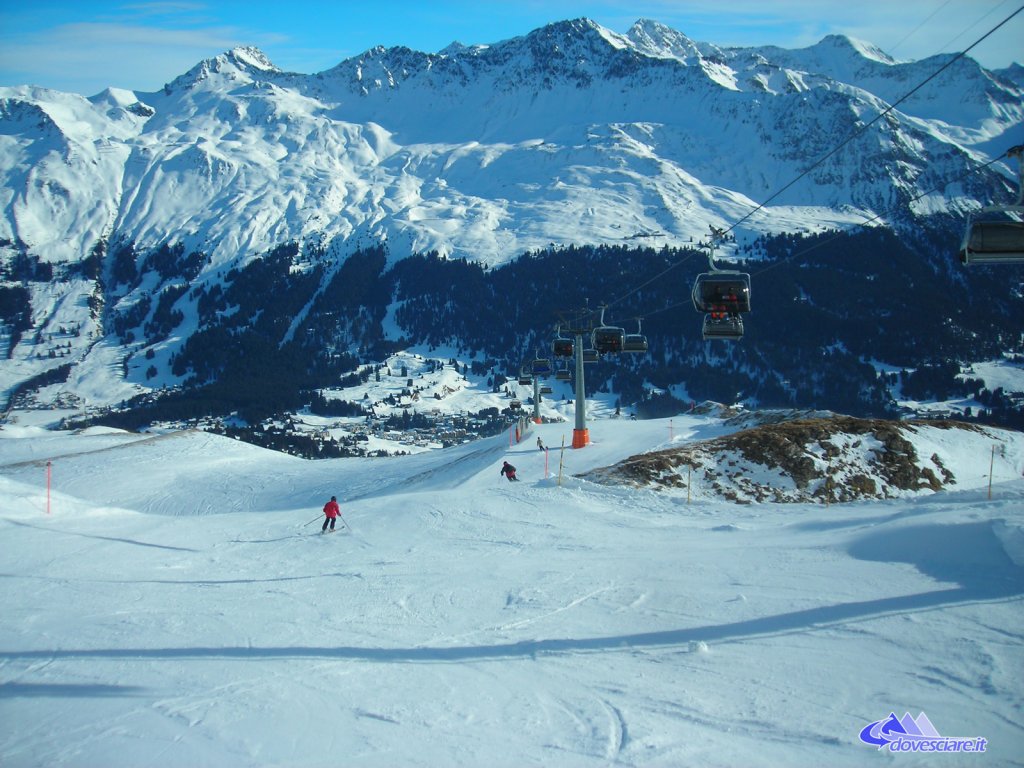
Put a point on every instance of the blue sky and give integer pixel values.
(86, 45)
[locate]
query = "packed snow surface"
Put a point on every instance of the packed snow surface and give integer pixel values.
(170, 602)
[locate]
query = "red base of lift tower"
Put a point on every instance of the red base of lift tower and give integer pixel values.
(580, 438)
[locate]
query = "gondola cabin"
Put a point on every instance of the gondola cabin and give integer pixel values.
(635, 343)
(995, 234)
(546, 390)
(541, 367)
(515, 405)
(525, 381)
(608, 339)
(563, 347)
(722, 292)
(722, 327)
(563, 374)
(993, 242)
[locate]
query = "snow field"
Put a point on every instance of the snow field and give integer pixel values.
(175, 609)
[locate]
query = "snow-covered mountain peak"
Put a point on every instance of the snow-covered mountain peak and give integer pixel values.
(386, 68)
(243, 63)
(656, 40)
(455, 48)
(252, 57)
(577, 52)
(114, 97)
(845, 45)
(568, 28)
(580, 37)
(1012, 74)
(653, 38)
(122, 107)
(21, 115)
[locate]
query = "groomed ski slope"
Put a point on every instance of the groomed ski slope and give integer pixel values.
(176, 609)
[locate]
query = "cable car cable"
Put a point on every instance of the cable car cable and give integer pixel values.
(847, 141)
(966, 30)
(868, 221)
(840, 234)
(863, 129)
(821, 160)
(932, 15)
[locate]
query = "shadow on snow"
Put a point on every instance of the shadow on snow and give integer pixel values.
(796, 621)
(101, 538)
(969, 554)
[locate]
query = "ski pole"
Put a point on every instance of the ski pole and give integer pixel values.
(344, 523)
(311, 521)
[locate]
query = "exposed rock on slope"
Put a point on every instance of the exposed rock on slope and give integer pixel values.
(833, 458)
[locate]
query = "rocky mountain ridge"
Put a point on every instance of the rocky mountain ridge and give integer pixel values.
(128, 217)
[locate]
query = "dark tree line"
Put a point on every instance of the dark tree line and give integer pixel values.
(826, 308)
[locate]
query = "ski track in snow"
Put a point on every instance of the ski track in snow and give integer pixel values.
(176, 608)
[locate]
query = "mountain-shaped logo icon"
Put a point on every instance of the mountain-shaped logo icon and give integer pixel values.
(882, 732)
(916, 734)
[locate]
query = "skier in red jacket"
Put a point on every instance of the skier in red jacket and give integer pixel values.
(331, 512)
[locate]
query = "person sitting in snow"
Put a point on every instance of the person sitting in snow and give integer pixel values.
(331, 512)
(509, 471)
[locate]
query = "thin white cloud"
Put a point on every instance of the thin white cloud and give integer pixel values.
(133, 56)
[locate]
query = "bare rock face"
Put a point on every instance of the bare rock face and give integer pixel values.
(823, 458)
